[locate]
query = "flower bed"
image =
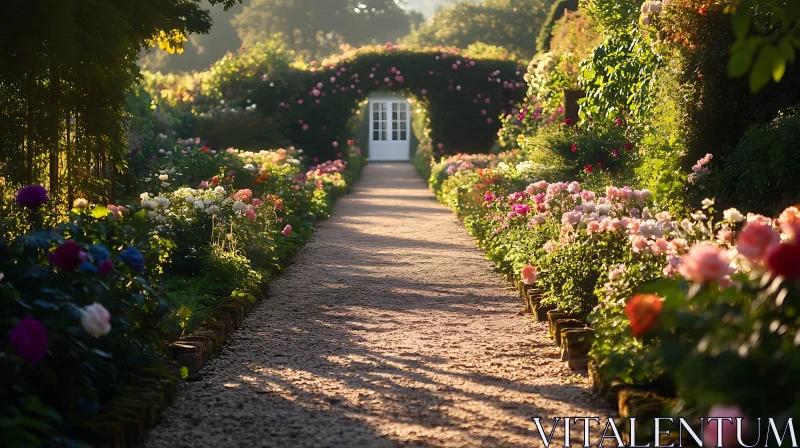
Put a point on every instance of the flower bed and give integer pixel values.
(89, 300)
(701, 309)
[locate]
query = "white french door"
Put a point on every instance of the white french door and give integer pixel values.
(389, 130)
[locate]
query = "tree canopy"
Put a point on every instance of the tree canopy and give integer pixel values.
(316, 28)
(64, 76)
(513, 24)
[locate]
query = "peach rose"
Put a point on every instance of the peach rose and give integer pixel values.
(756, 239)
(528, 274)
(705, 263)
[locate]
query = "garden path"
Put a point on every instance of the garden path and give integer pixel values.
(390, 329)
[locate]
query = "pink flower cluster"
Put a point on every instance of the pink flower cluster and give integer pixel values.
(331, 166)
(700, 169)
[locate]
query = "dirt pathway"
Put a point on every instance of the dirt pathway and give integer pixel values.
(390, 329)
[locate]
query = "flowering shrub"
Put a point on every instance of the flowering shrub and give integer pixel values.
(733, 316)
(89, 298)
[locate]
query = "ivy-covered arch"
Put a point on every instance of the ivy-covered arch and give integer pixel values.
(313, 105)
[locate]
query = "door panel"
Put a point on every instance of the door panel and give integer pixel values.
(389, 130)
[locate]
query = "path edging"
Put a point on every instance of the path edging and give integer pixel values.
(574, 338)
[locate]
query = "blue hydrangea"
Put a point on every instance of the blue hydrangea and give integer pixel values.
(133, 258)
(87, 267)
(99, 253)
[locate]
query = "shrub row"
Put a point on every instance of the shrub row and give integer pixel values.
(703, 308)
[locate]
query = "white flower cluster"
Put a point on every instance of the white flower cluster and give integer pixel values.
(540, 66)
(208, 202)
(652, 7)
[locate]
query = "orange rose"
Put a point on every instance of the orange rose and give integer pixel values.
(643, 311)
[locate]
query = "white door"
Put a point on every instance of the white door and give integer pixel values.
(389, 130)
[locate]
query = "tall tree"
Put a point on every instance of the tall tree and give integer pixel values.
(63, 84)
(512, 24)
(315, 28)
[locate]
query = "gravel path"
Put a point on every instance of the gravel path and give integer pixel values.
(390, 329)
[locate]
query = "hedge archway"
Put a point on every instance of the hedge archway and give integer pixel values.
(462, 96)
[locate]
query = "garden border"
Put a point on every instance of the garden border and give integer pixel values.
(136, 408)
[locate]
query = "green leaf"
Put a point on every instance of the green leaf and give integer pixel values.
(786, 49)
(778, 69)
(741, 21)
(742, 56)
(101, 353)
(762, 70)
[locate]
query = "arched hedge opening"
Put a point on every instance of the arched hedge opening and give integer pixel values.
(311, 106)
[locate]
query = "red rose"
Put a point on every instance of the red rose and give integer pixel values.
(643, 311)
(784, 259)
(67, 256)
(205, 149)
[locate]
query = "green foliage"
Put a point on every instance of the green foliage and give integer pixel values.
(612, 16)
(618, 78)
(316, 28)
(63, 86)
(158, 266)
(767, 39)
(573, 271)
(512, 24)
(758, 172)
(555, 14)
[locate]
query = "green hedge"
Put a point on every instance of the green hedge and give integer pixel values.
(556, 12)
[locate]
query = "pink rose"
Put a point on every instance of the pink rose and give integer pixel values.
(723, 431)
(287, 231)
(592, 227)
(639, 244)
(705, 263)
(756, 239)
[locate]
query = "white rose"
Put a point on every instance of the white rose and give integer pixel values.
(213, 209)
(238, 206)
(707, 202)
(96, 320)
(199, 204)
(219, 190)
(80, 203)
(149, 204)
(162, 202)
(733, 215)
(144, 196)
(161, 218)
(603, 209)
(163, 177)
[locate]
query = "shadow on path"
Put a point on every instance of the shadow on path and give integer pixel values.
(391, 329)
